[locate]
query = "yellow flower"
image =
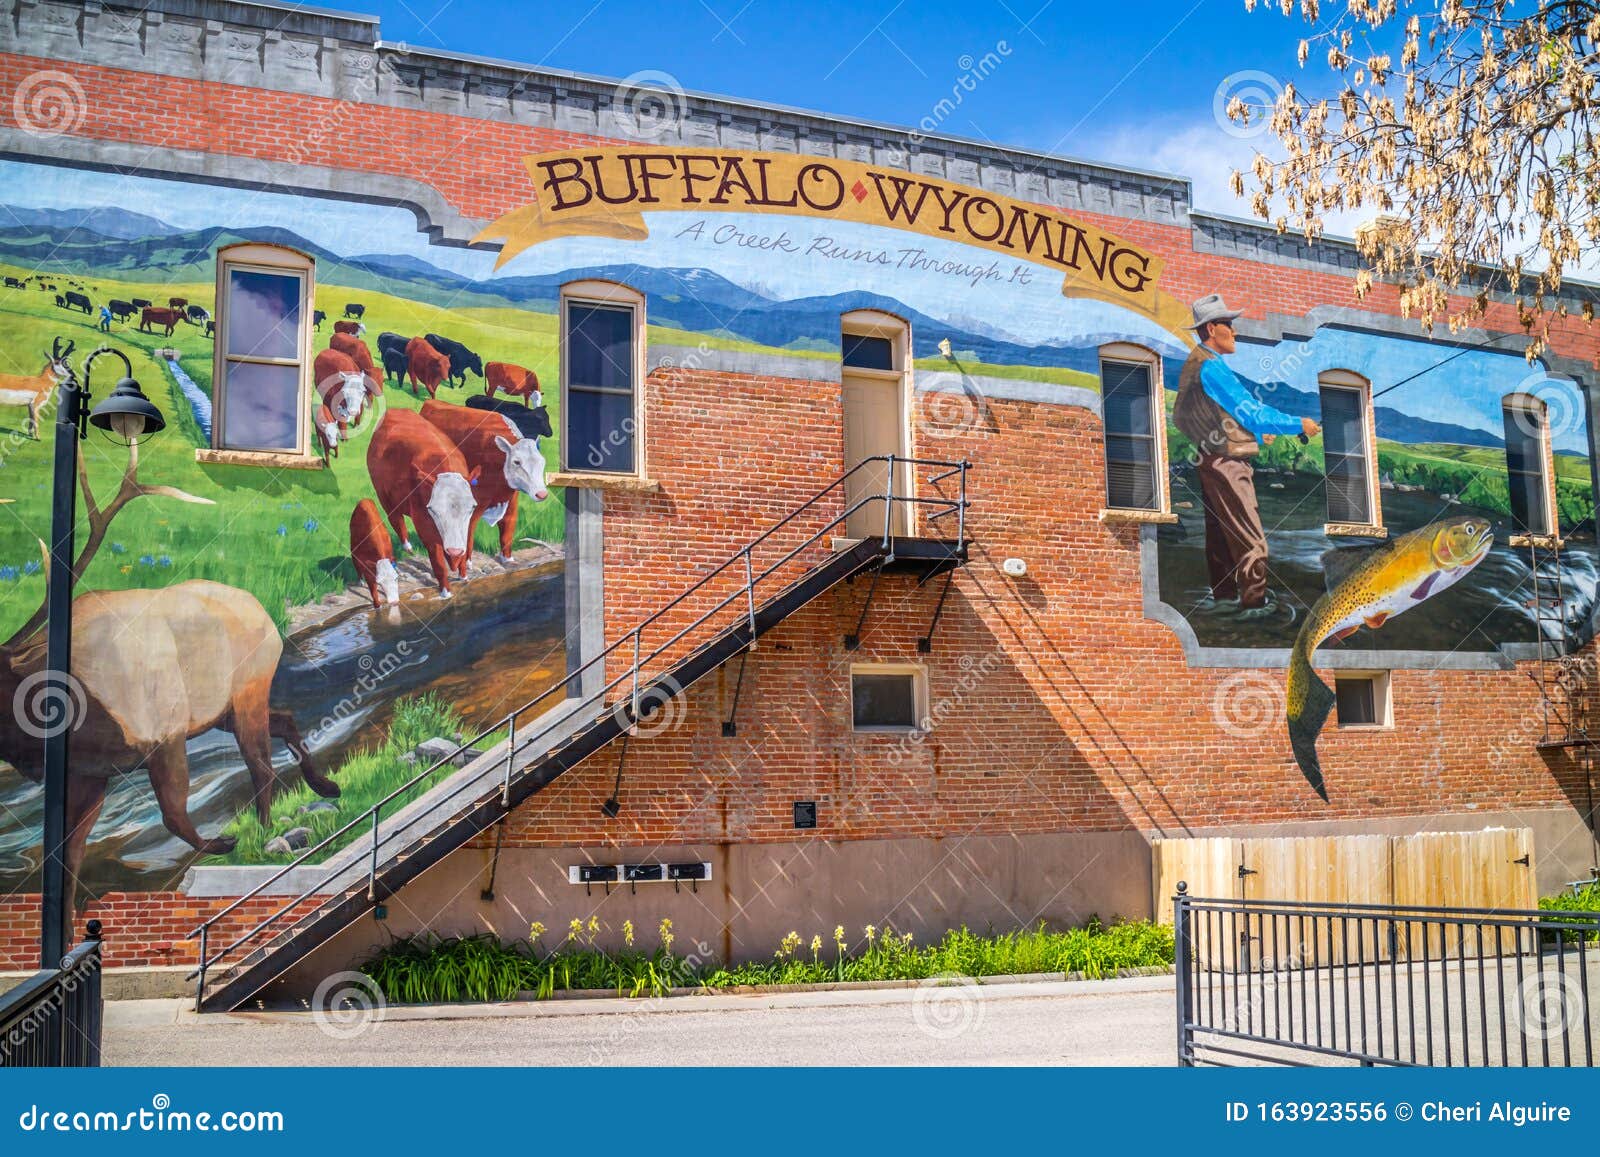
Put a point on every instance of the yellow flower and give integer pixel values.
(627, 932)
(666, 934)
(536, 930)
(871, 933)
(594, 925)
(574, 928)
(816, 945)
(789, 944)
(838, 935)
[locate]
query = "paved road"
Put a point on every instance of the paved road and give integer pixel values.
(1116, 1022)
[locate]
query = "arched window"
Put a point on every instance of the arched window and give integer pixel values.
(875, 382)
(1349, 451)
(1133, 403)
(261, 370)
(602, 368)
(1529, 469)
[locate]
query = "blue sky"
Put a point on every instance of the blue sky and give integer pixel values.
(1070, 78)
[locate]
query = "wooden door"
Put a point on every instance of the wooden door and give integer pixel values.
(874, 425)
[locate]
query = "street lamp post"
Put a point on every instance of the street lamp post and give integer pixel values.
(126, 416)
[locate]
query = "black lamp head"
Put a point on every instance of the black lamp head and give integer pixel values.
(127, 415)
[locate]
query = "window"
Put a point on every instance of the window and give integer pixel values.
(263, 350)
(887, 697)
(1347, 451)
(875, 396)
(1528, 464)
(1362, 699)
(602, 340)
(1133, 403)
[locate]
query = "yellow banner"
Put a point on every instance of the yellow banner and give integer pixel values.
(605, 192)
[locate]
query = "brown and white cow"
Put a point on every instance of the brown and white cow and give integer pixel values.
(508, 465)
(373, 554)
(418, 473)
(342, 386)
(426, 365)
(356, 350)
(327, 431)
(518, 381)
(353, 328)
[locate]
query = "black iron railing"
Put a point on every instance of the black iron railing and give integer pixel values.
(53, 1018)
(1263, 981)
(639, 661)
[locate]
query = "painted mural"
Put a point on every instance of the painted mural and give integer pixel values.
(373, 636)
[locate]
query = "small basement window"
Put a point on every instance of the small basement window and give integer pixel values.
(887, 698)
(1362, 700)
(263, 350)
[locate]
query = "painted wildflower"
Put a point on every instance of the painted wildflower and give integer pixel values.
(310, 525)
(282, 530)
(9, 574)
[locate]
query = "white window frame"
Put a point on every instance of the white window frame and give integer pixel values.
(1128, 353)
(279, 260)
(878, 323)
(1356, 383)
(919, 697)
(616, 295)
(1534, 406)
(1382, 700)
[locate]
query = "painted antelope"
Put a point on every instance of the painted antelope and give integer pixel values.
(34, 391)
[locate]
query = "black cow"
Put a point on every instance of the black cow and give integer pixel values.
(198, 314)
(61, 302)
(355, 309)
(13, 283)
(121, 310)
(81, 301)
(461, 358)
(317, 318)
(530, 423)
(142, 303)
(211, 328)
(395, 362)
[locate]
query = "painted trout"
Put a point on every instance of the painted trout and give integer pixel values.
(1368, 591)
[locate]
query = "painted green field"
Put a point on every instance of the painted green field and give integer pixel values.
(283, 535)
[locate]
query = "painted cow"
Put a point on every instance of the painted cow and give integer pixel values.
(531, 422)
(355, 309)
(356, 350)
(317, 318)
(425, 365)
(155, 315)
(81, 301)
(461, 358)
(121, 310)
(197, 313)
(418, 473)
(515, 380)
(353, 328)
(141, 303)
(327, 431)
(508, 464)
(373, 554)
(178, 302)
(342, 386)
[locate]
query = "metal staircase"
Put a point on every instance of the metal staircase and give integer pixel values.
(397, 841)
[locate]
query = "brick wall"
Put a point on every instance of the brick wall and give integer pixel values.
(1060, 706)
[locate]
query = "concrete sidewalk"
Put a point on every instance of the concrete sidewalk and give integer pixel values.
(1112, 1022)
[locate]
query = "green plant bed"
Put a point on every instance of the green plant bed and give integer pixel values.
(1586, 899)
(427, 969)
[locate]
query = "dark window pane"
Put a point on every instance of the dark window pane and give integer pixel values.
(884, 700)
(600, 431)
(1126, 390)
(600, 346)
(1131, 460)
(868, 353)
(1525, 468)
(263, 314)
(1344, 447)
(1357, 701)
(261, 407)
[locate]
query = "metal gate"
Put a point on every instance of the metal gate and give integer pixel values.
(1281, 982)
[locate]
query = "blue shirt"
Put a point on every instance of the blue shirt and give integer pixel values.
(1224, 388)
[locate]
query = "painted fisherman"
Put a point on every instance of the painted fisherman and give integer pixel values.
(1217, 412)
